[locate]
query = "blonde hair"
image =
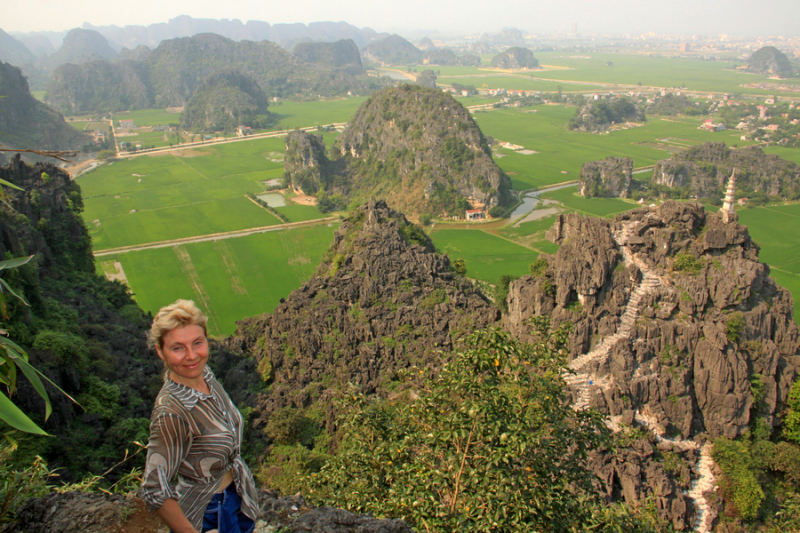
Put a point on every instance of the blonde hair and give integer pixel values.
(177, 314)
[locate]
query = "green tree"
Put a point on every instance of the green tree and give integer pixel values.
(460, 266)
(791, 427)
(490, 444)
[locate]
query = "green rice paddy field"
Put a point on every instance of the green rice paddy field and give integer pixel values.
(230, 279)
(562, 153)
(777, 230)
(592, 68)
(487, 256)
(154, 198)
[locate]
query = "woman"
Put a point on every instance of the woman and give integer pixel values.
(196, 434)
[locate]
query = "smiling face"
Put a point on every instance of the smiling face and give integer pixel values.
(185, 351)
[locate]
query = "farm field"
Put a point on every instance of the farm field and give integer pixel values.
(487, 256)
(148, 117)
(775, 229)
(229, 279)
(598, 207)
(154, 198)
(562, 153)
(293, 115)
(658, 71)
(516, 82)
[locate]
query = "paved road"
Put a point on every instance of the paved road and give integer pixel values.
(212, 237)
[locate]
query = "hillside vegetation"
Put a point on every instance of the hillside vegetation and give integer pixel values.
(226, 100)
(170, 74)
(770, 61)
(417, 146)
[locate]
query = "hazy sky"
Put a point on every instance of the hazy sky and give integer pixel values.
(708, 17)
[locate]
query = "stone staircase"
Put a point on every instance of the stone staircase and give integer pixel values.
(583, 379)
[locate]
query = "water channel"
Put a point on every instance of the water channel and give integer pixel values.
(530, 199)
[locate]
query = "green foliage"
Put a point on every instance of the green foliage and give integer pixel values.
(67, 348)
(413, 234)
(18, 486)
(501, 291)
(498, 212)
(460, 266)
(287, 468)
(686, 262)
(539, 267)
(491, 444)
(289, 426)
(741, 470)
(425, 219)
(438, 296)
(735, 326)
(791, 424)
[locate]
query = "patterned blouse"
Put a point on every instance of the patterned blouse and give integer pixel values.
(198, 437)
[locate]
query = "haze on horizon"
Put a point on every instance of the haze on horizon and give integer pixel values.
(686, 17)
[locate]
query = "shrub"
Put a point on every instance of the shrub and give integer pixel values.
(686, 262)
(497, 212)
(460, 266)
(740, 471)
(490, 444)
(290, 426)
(734, 326)
(68, 349)
(18, 486)
(425, 219)
(791, 424)
(539, 267)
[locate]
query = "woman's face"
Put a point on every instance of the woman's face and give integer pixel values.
(185, 350)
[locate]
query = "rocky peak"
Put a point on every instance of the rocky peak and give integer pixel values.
(692, 316)
(677, 329)
(382, 300)
(609, 177)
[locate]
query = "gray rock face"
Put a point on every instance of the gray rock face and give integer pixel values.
(609, 177)
(305, 160)
(685, 358)
(677, 327)
(706, 168)
(76, 512)
(381, 301)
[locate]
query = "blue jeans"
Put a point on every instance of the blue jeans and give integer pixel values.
(224, 513)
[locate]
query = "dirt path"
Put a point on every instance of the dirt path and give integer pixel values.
(212, 237)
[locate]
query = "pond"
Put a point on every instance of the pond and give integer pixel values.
(273, 199)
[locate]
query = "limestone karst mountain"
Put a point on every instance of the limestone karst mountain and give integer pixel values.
(418, 146)
(515, 57)
(770, 61)
(381, 301)
(703, 170)
(675, 320)
(27, 123)
(392, 50)
(609, 177)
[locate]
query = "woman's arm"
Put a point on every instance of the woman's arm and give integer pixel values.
(171, 513)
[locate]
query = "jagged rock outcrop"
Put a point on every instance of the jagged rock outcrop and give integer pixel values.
(27, 123)
(705, 169)
(770, 61)
(381, 301)
(78, 512)
(305, 164)
(609, 177)
(597, 116)
(709, 320)
(677, 327)
(392, 50)
(417, 146)
(342, 54)
(422, 148)
(515, 57)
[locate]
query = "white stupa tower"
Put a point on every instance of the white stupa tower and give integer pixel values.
(727, 211)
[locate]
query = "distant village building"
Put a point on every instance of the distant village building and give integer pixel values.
(475, 214)
(127, 124)
(685, 47)
(710, 125)
(243, 131)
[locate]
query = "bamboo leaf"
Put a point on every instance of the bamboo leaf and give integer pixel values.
(33, 376)
(9, 184)
(14, 417)
(20, 298)
(14, 263)
(27, 367)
